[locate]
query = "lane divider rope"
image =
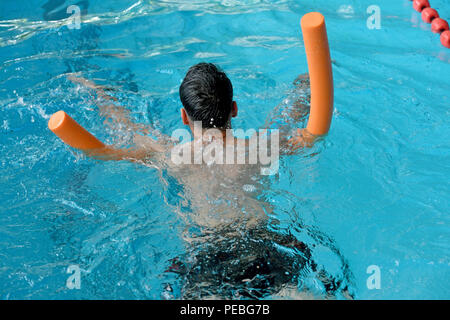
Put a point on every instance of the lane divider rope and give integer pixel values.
(430, 15)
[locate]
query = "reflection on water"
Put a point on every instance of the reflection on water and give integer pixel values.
(55, 14)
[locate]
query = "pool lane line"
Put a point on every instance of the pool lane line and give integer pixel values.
(430, 15)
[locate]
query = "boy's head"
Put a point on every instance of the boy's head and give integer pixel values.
(207, 96)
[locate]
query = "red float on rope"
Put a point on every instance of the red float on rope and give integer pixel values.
(439, 25)
(419, 5)
(429, 14)
(445, 38)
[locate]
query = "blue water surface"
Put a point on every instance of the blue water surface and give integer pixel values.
(377, 186)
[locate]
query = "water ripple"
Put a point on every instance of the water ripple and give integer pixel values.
(15, 31)
(269, 42)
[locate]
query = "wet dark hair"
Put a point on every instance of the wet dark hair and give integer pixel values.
(207, 95)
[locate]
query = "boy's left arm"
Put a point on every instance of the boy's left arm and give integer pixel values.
(292, 138)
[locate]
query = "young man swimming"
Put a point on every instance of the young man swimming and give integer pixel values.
(234, 254)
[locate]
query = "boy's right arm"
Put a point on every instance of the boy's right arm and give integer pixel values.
(144, 147)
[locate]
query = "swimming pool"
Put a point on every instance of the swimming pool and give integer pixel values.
(375, 192)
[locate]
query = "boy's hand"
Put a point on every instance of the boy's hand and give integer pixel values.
(301, 140)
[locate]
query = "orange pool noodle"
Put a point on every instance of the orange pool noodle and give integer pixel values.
(320, 73)
(69, 131)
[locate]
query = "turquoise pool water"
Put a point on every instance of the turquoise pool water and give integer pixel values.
(375, 192)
